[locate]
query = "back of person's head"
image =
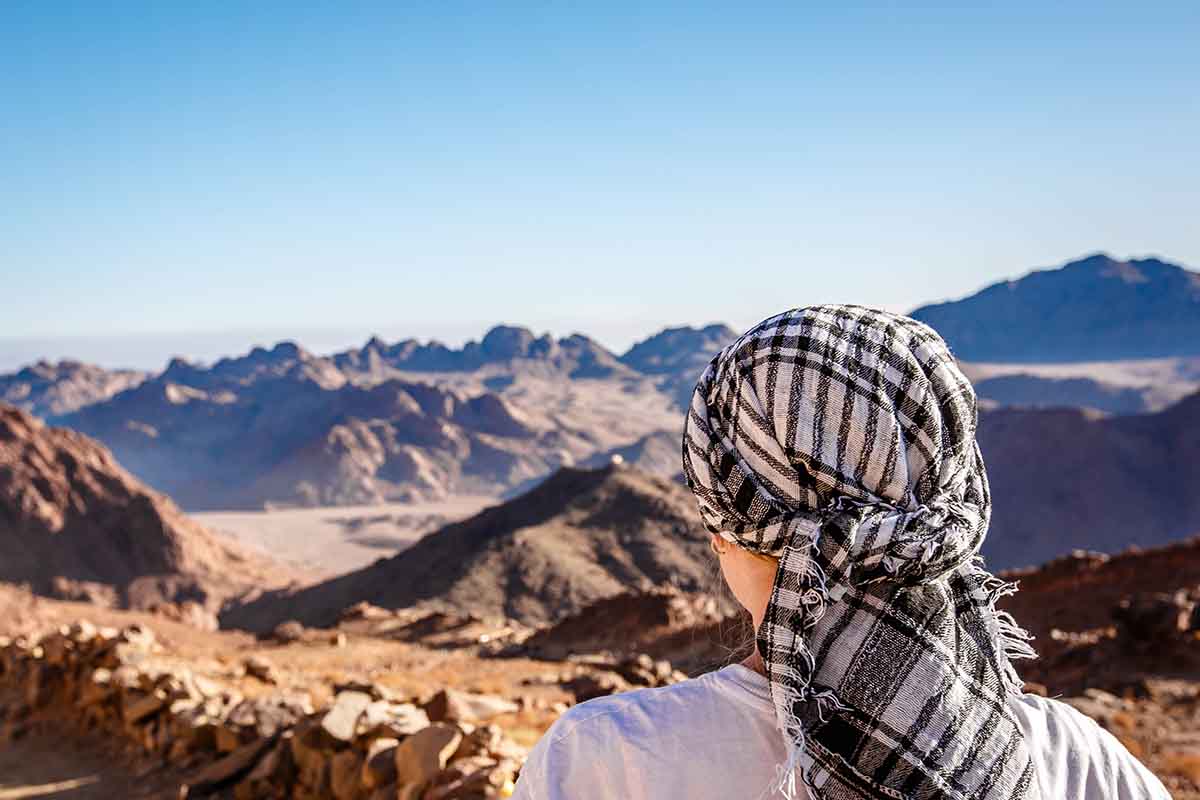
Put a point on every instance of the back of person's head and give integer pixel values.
(841, 441)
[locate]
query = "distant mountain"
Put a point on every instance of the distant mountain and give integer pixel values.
(1064, 479)
(45, 389)
(507, 346)
(74, 523)
(281, 426)
(1094, 309)
(287, 439)
(674, 350)
(579, 536)
(284, 360)
(678, 356)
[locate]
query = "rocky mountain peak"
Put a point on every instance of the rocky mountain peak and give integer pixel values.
(71, 516)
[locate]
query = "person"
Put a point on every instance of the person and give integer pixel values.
(832, 453)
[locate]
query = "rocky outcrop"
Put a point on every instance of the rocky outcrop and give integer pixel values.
(74, 524)
(630, 622)
(366, 745)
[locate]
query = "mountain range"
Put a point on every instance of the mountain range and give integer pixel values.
(411, 419)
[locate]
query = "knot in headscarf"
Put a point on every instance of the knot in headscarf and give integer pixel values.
(842, 440)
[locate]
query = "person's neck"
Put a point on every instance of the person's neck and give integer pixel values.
(754, 661)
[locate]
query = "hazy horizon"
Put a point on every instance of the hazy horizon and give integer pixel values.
(151, 351)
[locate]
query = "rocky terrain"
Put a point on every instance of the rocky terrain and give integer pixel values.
(580, 536)
(381, 702)
(1093, 309)
(367, 709)
(1119, 637)
(73, 523)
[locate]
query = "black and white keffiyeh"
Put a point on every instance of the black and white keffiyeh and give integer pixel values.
(842, 440)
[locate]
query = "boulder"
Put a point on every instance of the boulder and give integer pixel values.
(452, 705)
(259, 667)
(341, 720)
(599, 684)
(136, 708)
(397, 720)
(310, 758)
(422, 756)
(225, 771)
(475, 778)
(287, 632)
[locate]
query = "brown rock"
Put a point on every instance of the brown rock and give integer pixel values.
(227, 770)
(484, 740)
(272, 776)
(261, 668)
(475, 778)
(420, 757)
(227, 738)
(377, 690)
(363, 610)
(288, 632)
(344, 770)
(138, 708)
(452, 705)
(96, 687)
(309, 757)
(589, 685)
(379, 766)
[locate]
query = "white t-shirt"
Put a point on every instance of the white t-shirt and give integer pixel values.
(715, 737)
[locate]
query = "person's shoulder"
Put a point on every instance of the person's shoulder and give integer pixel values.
(628, 711)
(1059, 728)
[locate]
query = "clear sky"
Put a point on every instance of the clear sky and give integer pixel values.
(195, 177)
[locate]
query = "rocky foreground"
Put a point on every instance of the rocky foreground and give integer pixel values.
(407, 704)
(383, 706)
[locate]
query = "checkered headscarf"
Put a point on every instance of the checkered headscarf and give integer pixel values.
(842, 440)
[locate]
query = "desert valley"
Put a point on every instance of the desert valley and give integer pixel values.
(384, 572)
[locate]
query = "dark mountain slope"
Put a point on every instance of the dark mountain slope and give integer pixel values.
(579, 536)
(1064, 479)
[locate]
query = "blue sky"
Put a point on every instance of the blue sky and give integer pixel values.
(196, 177)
